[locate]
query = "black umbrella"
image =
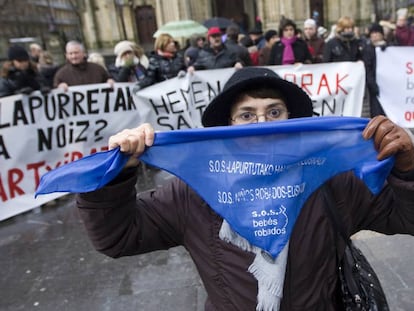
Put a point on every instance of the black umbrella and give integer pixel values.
(220, 22)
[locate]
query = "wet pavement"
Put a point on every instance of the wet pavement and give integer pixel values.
(48, 264)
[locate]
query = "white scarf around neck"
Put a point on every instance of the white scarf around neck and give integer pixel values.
(269, 273)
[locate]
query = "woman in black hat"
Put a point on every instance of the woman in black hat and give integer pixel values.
(119, 224)
(19, 75)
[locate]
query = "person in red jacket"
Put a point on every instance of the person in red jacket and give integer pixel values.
(119, 223)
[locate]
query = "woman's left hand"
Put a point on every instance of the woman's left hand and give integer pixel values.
(391, 139)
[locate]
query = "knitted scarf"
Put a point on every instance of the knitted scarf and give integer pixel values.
(288, 55)
(269, 272)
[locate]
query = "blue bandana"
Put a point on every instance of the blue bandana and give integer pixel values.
(255, 176)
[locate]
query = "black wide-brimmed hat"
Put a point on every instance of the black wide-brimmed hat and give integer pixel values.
(217, 112)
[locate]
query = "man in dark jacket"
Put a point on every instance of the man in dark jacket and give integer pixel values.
(121, 224)
(216, 55)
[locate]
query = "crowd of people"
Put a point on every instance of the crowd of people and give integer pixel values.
(28, 71)
(237, 275)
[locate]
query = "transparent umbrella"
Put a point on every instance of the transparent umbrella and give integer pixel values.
(184, 28)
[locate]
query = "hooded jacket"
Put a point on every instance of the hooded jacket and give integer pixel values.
(121, 224)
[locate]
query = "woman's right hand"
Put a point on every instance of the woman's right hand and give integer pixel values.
(133, 141)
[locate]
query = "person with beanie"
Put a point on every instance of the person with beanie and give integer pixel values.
(19, 75)
(289, 49)
(236, 274)
(131, 63)
(315, 43)
(344, 46)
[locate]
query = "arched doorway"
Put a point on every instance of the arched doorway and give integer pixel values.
(316, 11)
(146, 26)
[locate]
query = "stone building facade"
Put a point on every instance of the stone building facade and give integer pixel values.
(100, 24)
(138, 19)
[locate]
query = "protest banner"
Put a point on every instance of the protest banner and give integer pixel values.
(335, 89)
(41, 132)
(395, 79)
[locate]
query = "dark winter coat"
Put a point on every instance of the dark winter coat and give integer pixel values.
(209, 59)
(14, 81)
(190, 55)
(119, 224)
(241, 51)
(339, 50)
(370, 62)
(48, 73)
(162, 68)
(300, 51)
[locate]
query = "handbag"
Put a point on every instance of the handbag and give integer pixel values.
(360, 287)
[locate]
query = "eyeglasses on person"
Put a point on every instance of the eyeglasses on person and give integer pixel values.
(247, 117)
